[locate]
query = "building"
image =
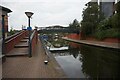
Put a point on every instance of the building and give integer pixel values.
(4, 11)
(3, 29)
(108, 8)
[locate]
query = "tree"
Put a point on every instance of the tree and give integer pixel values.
(12, 31)
(75, 24)
(91, 17)
(109, 25)
(118, 7)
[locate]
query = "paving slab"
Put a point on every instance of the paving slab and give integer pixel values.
(18, 52)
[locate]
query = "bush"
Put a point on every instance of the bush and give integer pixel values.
(104, 25)
(114, 33)
(111, 33)
(100, 35)
(114, 21)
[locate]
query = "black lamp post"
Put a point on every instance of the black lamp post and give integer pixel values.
(3, 36)
(29, 14)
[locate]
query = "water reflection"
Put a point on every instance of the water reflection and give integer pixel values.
(83, 61)
(94, 62)
(99, 62)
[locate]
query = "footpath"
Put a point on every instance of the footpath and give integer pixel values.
(34, 67)
(95, 43)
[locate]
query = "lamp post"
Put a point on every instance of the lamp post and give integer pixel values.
(29, 14)
(3, 36)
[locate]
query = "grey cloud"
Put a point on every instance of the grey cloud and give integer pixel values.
(47, 12)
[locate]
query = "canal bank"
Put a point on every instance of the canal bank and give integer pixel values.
(95, 43)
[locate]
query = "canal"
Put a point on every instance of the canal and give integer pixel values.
(83, 61)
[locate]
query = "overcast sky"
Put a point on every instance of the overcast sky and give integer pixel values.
(46, 12)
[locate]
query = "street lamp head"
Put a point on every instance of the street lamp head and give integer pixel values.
(29, 14)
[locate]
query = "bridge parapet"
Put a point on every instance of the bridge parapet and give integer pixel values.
(63, 30)
(33, 42)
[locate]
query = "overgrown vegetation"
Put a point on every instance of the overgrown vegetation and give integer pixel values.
(95, 24)
(111, 33)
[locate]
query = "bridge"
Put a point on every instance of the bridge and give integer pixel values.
(25, 59)
(58, 30)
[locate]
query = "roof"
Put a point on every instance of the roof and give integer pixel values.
(5, 9)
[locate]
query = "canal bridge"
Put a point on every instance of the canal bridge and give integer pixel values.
(58, 30)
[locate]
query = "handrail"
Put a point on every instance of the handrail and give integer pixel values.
(9, 37)
(30, 43)
(32, 35)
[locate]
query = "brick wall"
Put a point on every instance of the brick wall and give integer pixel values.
(10, 43)
(34, 41)
(74, 36)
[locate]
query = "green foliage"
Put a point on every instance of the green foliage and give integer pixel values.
(118, 7)
(87, 29)
(104, 25)
(12, 31)
(109, 28)
(75, 24)
(113, 33)
(115, 21)
(91, 17)
(99, 27)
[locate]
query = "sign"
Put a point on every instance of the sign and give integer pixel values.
(29, 28)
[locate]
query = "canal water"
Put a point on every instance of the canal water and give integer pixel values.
(83, 61)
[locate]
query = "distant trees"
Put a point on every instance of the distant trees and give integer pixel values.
(74, 24)
(12, 31)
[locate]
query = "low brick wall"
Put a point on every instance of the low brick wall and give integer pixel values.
(34, 41)
(11, 42)
(80, 36)
(74, 36)
(112, 40)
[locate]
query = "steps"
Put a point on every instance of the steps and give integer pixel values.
(20, 49)
(24, 40)
(26, 37)
(21, 45)
(18, 52)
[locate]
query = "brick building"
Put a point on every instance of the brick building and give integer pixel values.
(4, 11)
